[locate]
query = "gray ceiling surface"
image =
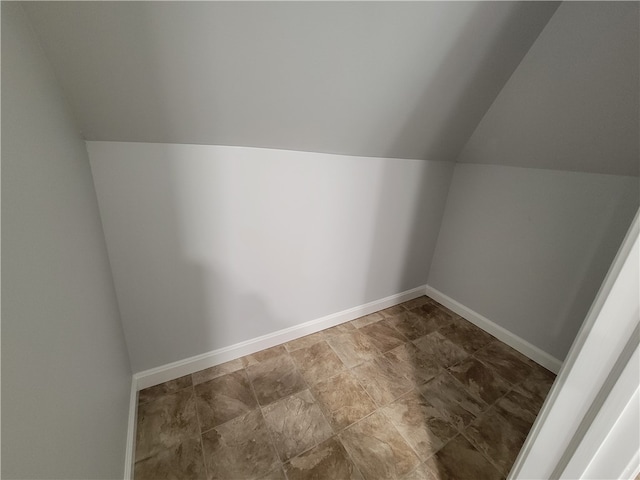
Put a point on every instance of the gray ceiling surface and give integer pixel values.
(384, 79)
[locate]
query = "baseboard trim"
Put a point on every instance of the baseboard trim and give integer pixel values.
(155, 376)
(131, 431)
(536, 354)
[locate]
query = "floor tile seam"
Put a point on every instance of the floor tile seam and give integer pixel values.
(461, 434)
(378, 406)
(486, 456)
(231, 419)
(484, 362)
(217, 376)
(204, 460)
(390, 324)
(517, 387)
(318, 404)
(161, 447)
(510, 384)
(355, 465)
(342, 360)
(446, 415)
(475, 397)
(495, 406)
(325, 410)
(315, 402)
(266, 426)
(407, 441)
(387, 351)
(285, 344)
(164, 394)
(297, 365)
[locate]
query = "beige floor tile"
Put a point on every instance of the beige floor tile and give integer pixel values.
(266, 354)
(275, 378)
(166, 422)
(217, 371)
(277, 474)
(223, 399)
(353, 348)
(172, 386)
(182, 461)
(413, 363)
(377, 448)
(383, 336)
(441, 349)
(422, 425)
(480, 380)
(296, 424)
(317, 362)
(520, 409)
(496, 438)
(343, 400)
(338, 329)
(329, 460)
(367, 320)
(466, 335)
(417, 302)
(305, 342)
(412, 326)
(458, 405)
(459, 460)
(423, 472)
(507, 362)
(382, 380)
(392, 311)
(240, 449)
(538, 383)
(441, 316)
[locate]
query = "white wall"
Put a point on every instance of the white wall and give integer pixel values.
(65, 373)
(572, 103)
(211, 246)
(529, 248)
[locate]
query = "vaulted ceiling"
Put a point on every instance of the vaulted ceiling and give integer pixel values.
(385, 79)
(405, 80)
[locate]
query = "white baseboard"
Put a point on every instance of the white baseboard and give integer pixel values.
(164, 373)
(534, 353)
(129, 458)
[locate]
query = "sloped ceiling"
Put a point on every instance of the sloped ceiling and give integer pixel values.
(573, 103)
(387, 79)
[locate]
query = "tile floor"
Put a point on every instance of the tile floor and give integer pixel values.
(411, 392)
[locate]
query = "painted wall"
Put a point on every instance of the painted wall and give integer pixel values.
(529, 248)
(65, 373)
(572, 103)
(211, 246)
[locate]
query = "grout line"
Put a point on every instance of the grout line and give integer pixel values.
(200, 433)
(266, 426)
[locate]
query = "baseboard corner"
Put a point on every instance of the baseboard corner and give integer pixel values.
(536, 354)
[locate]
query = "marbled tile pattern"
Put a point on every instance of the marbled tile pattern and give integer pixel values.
(327, 460)
(317, 362)
(377, 448)
(411, 392)
(223, 399)
(343, 400)
(296, 424)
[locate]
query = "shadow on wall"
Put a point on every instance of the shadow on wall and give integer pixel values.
(187, 275)
(603, 247)
(447, 138)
